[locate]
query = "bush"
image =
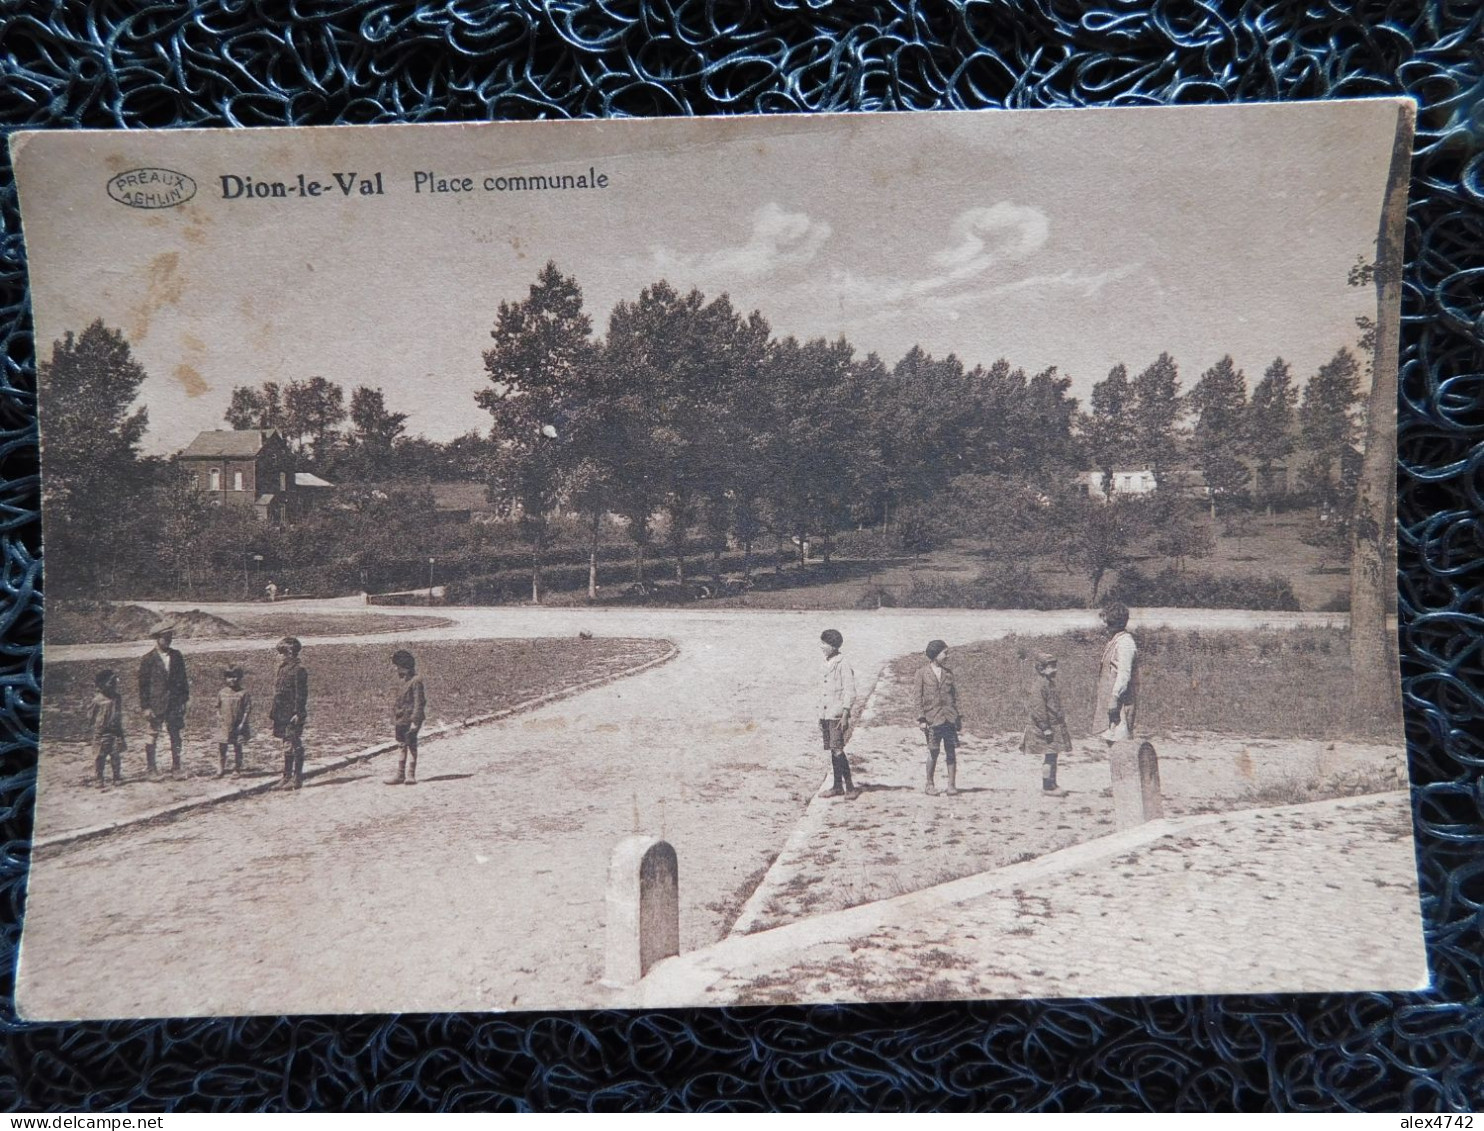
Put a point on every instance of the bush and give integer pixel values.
(1170, 589)
(864, 545)
(1003, 586)
(876, 597)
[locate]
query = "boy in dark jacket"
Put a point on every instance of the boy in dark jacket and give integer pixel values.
(409, 708)
(290, 710)
(1046, 734)
(106, 719)
(937, 714)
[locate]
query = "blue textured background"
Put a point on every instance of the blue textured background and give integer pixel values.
(248, 63)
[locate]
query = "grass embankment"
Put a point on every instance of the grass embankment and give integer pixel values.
(1283, 683)
(351, 686)
(275, 625)
(106, 623)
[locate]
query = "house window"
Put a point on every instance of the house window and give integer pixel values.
(215, 479)
(236, 480)
(283, 480)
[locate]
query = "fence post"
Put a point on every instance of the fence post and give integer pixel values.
(1136, 795)
(643, 908)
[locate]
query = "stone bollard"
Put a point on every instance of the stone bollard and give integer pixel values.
(1135, 770)
(643, 908)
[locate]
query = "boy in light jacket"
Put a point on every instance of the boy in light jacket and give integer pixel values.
(937, 715)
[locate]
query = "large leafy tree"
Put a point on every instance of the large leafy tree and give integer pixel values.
(91, 451)
(260, 407)
(1220, 440)
(374, 428)
(1270, 425)
(538, 369)
(314, 410)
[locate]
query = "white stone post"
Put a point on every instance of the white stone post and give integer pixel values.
(643, 908)
(1136, 795)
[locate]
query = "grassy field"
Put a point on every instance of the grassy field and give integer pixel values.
(1290, 683)
(350, 686)
(1272, 546)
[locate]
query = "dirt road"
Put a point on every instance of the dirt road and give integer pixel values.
(481, 888)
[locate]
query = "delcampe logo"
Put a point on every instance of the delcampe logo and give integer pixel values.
(151, 188)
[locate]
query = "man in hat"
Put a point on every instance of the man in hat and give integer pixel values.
(1118, 677)
(937, 715)
(163, 693)
(290, 709)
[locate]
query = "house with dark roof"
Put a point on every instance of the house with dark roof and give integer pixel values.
(252, 467)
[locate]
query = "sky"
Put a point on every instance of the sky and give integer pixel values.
(1079, 238)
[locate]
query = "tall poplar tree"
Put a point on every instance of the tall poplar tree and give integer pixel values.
(1156, 414)
(1270, 425)
(1330, 425)
(1110, 425)
(1220, 440)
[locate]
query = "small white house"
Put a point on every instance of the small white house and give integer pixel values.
(1127, 482)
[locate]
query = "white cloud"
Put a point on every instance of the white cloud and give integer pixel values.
(779, 239)
(995, 235)
(984, 236)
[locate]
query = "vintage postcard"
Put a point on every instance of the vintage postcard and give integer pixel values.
(835, 558)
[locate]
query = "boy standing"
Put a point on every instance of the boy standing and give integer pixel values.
(409, 707)
(290, 710)
(233, 707)
(937, 714)
(836, 700)
(1047, 733)
(106, 717)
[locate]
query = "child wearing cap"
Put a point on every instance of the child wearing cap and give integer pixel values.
(106, 720)
(409, 708)
(233, 709)
(937, 715)
(836, 702)
(1046, 735)
(290, 710)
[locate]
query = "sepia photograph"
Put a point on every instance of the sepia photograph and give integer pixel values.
(719, 562)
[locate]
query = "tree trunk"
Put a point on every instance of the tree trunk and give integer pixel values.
(1376, 680)
(778, 556)
(592, 558)
(747, 559)
(536, 577)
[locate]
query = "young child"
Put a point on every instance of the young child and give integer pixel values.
(836, 701)
(937, 715)
(106, 718)
(409, 708)
(1046, 734)
(233, 709)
